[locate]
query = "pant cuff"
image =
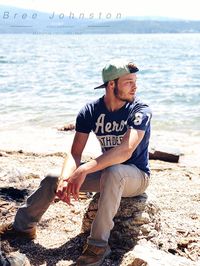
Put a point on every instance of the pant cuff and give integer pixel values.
(97, 242)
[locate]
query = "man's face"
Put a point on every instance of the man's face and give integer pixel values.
(126, 87)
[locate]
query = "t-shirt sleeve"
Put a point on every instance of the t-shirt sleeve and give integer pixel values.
(140, 119)
(84, 120)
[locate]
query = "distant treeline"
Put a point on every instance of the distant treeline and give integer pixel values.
(107, 27)
(151, 26)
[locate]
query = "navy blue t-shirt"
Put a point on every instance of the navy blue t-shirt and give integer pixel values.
(110, 127)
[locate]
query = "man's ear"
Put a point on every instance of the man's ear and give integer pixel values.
(111, 84)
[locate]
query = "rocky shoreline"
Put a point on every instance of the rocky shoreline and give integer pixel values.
(175, 188)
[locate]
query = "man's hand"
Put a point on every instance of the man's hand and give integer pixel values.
(61, 191)
(71, 186)
(75, 181)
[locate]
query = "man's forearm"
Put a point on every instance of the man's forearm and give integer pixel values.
(117, 154)
(114, 156)
(70, 165)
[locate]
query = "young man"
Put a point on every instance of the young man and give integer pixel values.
(121, 123)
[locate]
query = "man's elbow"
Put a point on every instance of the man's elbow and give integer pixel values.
(127, 153)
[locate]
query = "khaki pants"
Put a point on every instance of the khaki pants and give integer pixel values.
(113, 183)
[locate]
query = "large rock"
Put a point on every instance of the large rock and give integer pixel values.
(137, 218)
(146, 255)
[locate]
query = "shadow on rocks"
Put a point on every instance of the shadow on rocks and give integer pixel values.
(14, 194)
(39, 255)
(69, 251)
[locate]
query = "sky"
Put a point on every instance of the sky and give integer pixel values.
(183, 9)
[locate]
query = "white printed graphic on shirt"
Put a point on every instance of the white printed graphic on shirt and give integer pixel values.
(109, 126)
(109, 141)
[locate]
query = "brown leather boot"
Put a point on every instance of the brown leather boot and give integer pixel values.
(7, 231)
(93, 255)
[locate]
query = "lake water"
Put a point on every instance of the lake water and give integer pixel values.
(46, 79)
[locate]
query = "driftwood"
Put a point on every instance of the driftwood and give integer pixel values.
(165, 154)
(67, 127)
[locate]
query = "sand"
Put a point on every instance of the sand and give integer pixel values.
(176, 187)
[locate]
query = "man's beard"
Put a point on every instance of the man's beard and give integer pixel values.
(119, 97)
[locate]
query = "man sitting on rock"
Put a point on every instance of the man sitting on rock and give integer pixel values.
(121, 123)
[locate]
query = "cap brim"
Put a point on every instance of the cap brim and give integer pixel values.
(100, 87)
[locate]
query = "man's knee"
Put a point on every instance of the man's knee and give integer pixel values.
(50, 180)
(112, 175)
